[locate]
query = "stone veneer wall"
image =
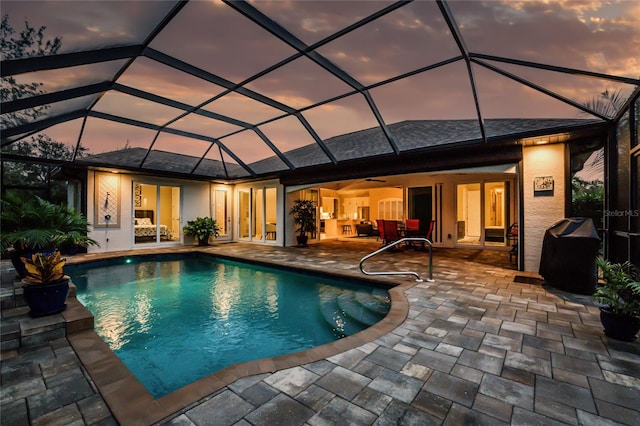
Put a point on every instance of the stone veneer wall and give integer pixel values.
(540, 212)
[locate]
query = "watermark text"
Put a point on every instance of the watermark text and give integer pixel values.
(622, 213)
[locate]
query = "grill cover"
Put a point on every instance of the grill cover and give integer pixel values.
(569, 251)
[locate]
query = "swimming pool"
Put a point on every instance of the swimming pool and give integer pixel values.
(175, 319)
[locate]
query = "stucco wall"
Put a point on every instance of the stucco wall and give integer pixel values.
(195, 202)
(541, 211)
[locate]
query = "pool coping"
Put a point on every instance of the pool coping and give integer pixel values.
(130, 402)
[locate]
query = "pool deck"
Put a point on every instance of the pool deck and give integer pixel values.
(483, 344)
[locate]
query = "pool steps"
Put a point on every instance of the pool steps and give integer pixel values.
(354, 309)
(346, 312)
(18, 329)
(378, 303)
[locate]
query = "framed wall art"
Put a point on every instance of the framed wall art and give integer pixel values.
(543, 185)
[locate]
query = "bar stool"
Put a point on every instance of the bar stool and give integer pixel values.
(346, 229)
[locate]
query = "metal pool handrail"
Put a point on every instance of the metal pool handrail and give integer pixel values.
(387, 247)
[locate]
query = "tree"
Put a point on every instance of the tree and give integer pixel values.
(587, 197)
(607, 103)
(29, 42)
(588, 200)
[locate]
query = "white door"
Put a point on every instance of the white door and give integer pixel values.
(221, 212)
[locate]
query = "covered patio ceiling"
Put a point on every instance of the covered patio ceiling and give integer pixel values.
(239, 90)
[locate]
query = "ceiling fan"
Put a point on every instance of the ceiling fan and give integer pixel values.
(374, 180)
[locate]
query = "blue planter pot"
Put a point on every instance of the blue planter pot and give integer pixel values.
(46, 299)
(619, 327)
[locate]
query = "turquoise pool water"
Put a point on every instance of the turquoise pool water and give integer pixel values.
(173, 320)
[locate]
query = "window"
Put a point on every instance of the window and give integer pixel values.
(391, 209)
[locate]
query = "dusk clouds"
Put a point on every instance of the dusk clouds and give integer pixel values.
(601, 37)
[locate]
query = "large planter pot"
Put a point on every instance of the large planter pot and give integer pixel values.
(203, 241)
(302, 240)
(619, 327)
(21, 270)
(46, 299)
(71, 250)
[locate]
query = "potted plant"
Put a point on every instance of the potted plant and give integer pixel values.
(304, 216)
(32, 224)
(201, 229)
(73, 226)
(46, 287)
(620, 293)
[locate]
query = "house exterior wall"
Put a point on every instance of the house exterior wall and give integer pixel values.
(195, 201)
(541, 210)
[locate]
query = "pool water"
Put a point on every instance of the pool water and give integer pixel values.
(175, 320)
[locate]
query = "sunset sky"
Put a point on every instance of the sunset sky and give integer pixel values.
(599, 36)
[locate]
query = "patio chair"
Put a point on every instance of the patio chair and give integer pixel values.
(412, 225)
(411, 229)
(432, 225)
(380, 224)
(391, 233)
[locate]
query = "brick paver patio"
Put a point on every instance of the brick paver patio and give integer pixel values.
(477, 346)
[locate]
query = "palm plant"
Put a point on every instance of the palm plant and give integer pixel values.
(607, 103)
(304, 216)
(620, 290)
(36, 224)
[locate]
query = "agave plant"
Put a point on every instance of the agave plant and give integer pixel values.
(44, 268)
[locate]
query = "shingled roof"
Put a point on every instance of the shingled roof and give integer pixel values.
(409, 136)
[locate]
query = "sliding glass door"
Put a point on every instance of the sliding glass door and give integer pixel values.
(482, 213)
(258, 214)
(156, 212)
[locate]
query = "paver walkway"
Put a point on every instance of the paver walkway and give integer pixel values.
(476, 347)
